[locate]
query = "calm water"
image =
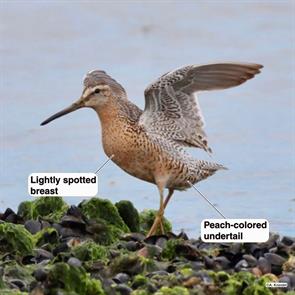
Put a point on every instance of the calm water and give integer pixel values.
(46, 47)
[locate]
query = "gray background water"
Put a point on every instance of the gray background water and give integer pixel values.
(47, 47)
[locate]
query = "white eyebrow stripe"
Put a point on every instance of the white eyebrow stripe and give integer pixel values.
(87, 92)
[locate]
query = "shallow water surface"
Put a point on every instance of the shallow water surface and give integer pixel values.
(48, 46)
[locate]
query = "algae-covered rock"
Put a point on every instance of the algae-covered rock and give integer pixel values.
(129, 214)
(172, 291)
(16, 272)
(51, 208)
(15, 238)
(147, 218)
(90, 251)
(246, 283)
(139, 280)
(169, 251)
(130, 264)
(67, 279)
(96, 208)
(103, 232)
(47, 235)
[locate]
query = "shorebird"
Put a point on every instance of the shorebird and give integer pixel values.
(150, 144)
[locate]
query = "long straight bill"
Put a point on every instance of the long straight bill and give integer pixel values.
(72, 108)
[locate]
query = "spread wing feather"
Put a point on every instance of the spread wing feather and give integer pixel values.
(171, 107)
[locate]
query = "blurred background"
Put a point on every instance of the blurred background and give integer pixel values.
(48, 46)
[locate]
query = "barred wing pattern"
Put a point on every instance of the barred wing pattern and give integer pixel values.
(172, 109)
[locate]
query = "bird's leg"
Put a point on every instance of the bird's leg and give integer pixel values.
(170, 193)
(159, 218)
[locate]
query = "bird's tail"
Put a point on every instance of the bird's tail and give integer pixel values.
(206, 169)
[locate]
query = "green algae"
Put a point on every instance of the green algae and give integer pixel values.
(50, 208)
(90, 251)
(244, 283)
(47, 235)
(169, 251)
(173, 291)
(16, 271)
(129, 214)
(102, 232)
(147, 218)
(139, 280)
(15, 238)
(67, 279)
(128, 263)
(98, 209)
(186, 271)
(12, 292)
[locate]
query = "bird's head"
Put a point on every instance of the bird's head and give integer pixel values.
(99, 88)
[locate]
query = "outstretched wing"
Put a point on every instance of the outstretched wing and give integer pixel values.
(171, 107)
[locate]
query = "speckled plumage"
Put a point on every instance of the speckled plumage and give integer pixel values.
(150, 144)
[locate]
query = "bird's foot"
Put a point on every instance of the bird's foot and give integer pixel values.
(158, 222)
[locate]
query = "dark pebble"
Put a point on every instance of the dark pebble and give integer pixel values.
(154, 250)
(285, 279)
(73, 261)
(121, 278)
(33, 226)
(40, 274)
(63, 247)
(137, 237)
(209, 262)
(283, 249)
(7, 212)
(197, 265)
(241, 265)
(13, 218)
(123, 289)
(153, 239)
(288, 241)
(42, 254)
(274, 259)
(73, 222)
(171, 268)
(264, 265)
(151, 288)
(28, 259)
(45, 224)
(222, 262)
(272, 241)
(18, 283)
(252, 261)
(69, 232)
(133, 246)
(291, 276)
(57, 226)
(74, 211)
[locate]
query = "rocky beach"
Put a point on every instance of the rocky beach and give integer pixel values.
(96, 247)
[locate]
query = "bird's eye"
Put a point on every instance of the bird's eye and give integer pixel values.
(97, 90)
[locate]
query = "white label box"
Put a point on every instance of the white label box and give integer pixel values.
(234, 230)
(63, 184)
